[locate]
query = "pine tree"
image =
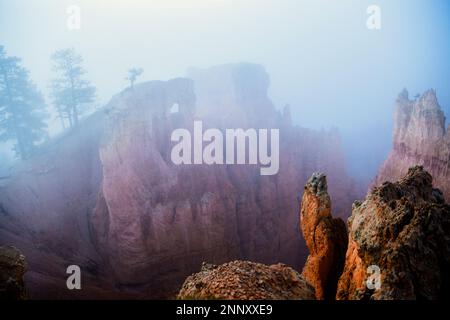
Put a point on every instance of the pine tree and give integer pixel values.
(71, 93)
(133, 74)
(22, 107)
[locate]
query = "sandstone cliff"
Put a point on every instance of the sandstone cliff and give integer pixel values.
(420, 138)
(402, 228)
(107, 197)
(326, 238)
(244, 280)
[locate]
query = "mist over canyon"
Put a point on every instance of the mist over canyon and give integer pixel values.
(107, 197)
(219, 149)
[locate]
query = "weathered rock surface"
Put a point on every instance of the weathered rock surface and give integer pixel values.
(420, 138)
(404, 229)
(326, 238)
(108, 198)
(244, 280)
(12, 270)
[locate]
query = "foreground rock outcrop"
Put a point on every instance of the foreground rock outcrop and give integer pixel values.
(420, 138)
(402, 228)
(244, 280)
(326, 238)
(398, 249)
(12, 270)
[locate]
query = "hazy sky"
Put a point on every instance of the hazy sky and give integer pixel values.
(321, 57)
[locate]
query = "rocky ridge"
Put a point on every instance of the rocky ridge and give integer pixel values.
(244, 280)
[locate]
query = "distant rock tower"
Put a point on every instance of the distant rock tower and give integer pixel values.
(420, 138)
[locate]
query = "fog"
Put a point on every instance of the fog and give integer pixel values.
(320, 55)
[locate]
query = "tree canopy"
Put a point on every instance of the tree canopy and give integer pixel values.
(71, 93)
(22, 107)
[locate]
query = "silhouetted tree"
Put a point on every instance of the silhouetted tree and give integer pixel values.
(133, 73)
(71, 93)
(22, 107)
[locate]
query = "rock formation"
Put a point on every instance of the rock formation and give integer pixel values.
(12, 270)
(399, 249)
(183, 215)
(402, 228)
(420, 138)
(326, 238)
(107, 197)
(244, 280)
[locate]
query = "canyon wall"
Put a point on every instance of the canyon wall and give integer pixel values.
(152, 214)
(107, 197)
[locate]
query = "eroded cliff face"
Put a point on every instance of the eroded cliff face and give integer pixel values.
(402, 228)
(420, 138)
(326, 238)
(107, 197)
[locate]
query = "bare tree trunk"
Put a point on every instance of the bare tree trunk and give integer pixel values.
(75, 115)
(61, 117)
(69, 116)
(74, 100)
(15, 125)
